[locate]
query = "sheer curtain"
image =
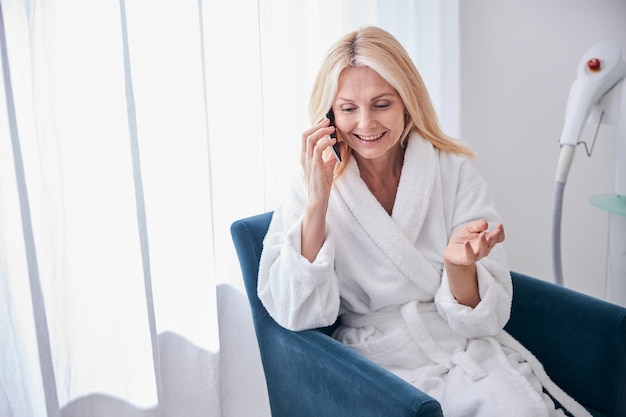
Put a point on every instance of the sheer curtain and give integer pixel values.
(132, 134)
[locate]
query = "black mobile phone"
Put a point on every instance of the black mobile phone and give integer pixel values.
(335, 148)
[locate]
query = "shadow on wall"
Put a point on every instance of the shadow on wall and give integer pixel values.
(187, 390)
(197, 382)
(101, 405)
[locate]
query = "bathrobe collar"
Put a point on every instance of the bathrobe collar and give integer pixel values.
(395, 235)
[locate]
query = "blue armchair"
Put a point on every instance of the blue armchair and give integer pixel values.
(580, 340)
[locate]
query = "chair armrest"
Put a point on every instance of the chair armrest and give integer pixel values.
(330, 379)
(580, 340)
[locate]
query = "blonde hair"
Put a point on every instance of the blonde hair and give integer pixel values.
(377, 49)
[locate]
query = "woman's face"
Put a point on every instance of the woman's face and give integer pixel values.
(369, 113)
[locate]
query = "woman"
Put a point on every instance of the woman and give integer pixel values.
(400, 240)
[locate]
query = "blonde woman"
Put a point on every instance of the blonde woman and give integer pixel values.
(400, 241)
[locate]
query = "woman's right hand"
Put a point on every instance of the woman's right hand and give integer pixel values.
(318, 172)
(318, 165)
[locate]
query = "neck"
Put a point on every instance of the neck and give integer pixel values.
(382, 169)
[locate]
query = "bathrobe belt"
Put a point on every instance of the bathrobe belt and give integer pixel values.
(410, 314)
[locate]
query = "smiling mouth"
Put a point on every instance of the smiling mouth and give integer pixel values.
(372, 138)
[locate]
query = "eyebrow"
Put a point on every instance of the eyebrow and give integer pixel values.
(378, 97)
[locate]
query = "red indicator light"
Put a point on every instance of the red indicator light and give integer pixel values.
(594, 64)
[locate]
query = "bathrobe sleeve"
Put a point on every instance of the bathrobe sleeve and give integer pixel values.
(298, 294)
(472, 201)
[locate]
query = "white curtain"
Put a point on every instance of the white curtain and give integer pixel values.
(132, 134)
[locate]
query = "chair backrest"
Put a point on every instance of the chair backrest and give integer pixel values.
(248, 235)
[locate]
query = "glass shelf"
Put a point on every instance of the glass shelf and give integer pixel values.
(613, 203)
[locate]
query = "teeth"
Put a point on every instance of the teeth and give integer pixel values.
(370, 138)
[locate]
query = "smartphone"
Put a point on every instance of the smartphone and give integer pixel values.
(335, 148)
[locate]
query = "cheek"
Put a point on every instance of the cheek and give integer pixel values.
(344, 127)
(344, 123)
(396, 122)
(398, 125)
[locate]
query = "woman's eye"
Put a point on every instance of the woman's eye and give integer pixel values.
(348, 109)
(381, 106)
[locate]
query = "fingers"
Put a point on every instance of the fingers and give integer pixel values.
(309, 132)
(315, 140)
(317, 164)
(481, 246)
(496, 235)
(487, 240)
(312, 136)
(472, 243)
(477, 226)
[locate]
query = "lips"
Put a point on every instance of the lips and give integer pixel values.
(371, 138)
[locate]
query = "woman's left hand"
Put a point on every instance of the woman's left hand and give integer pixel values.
(467, 245)
(472, 242)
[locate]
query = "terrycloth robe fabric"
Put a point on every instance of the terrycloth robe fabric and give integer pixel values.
(383, 276)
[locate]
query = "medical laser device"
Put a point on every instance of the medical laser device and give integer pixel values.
(597, 93)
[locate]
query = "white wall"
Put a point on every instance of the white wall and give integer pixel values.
(518, 61)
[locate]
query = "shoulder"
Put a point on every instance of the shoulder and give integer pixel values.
(458, 170)
(454, 160)
(446, 159)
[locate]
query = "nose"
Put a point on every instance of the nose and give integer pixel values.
(366, 120)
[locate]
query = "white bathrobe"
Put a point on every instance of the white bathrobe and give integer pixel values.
(384, 277)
